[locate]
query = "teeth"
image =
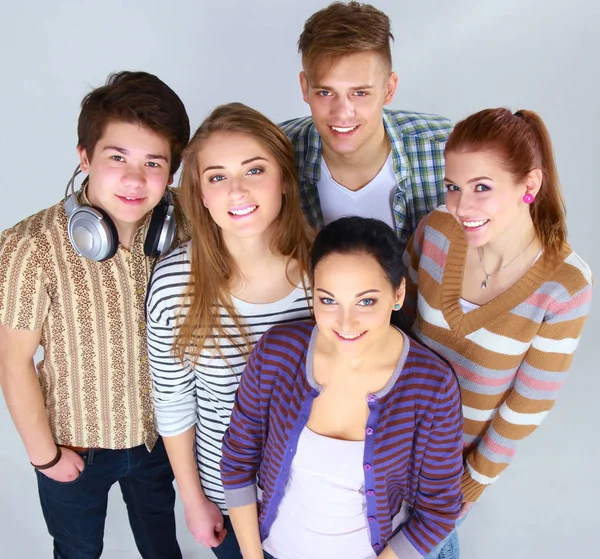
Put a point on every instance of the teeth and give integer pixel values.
(337, 129)
(349, 336)
(245, 211)
(474, 223)
(126, 198)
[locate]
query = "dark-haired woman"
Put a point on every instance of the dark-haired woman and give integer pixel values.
(354, 431)
(494, 287)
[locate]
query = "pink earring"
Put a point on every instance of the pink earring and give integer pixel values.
(528, 198)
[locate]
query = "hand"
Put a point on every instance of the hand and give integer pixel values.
(68, 467)
(205, 521)
(464, 509)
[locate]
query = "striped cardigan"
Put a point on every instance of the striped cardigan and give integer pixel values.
(413, 442)
(511, 355)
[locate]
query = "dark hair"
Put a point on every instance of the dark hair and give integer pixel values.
(522, 142)
(137, 98)
(344, 28)
(360, 235)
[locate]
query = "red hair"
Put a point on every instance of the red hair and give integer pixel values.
(522, 142)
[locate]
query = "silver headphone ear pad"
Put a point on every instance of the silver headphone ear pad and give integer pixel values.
(93, 233)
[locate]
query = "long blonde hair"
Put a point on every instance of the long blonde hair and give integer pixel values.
(211, 265)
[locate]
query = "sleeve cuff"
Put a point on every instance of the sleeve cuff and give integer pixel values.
(403, 548)
(471, 489)
(240, 497)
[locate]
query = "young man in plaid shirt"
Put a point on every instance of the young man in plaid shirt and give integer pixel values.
(353, 156)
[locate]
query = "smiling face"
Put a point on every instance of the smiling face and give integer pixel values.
(241, 184)
(353, 301)
(128, 172)
(346, 101)
(484, 197)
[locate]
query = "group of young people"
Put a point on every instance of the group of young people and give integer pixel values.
(332, 335)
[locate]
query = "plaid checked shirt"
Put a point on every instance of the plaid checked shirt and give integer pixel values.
(418, 142)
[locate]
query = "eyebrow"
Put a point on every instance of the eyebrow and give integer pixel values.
(245, 162)
(357, 295)
(124, 151)
(476, 179)
(357, 88)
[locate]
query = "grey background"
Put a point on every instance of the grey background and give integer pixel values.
(452, 58)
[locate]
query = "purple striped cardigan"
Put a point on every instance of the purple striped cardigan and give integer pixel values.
(413, 440)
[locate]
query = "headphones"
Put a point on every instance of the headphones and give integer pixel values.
(93, 233)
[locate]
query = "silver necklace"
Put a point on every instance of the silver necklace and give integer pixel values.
(485, 282)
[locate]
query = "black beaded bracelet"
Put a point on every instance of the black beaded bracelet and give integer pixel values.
(53, 462)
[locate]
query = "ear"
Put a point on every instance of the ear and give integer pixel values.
(533, 181)
(400, 293)
(390, 88)
(84, 162)
(170, 182)
(304, 85)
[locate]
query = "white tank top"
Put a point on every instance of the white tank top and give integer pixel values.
(372, 200)
(323, 513)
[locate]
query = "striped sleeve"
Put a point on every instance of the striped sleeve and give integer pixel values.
(24, 298)
(538, 380)
(438, 498)
(173, 383)
(410, 259)
(243, 444)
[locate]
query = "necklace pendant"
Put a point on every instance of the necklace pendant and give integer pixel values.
(484, 283)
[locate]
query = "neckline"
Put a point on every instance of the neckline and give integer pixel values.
(465, 323)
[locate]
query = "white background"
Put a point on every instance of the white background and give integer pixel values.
(452, 58)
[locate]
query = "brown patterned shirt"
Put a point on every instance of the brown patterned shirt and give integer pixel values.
(94, 375)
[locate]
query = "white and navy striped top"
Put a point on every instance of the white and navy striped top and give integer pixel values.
(203, 394)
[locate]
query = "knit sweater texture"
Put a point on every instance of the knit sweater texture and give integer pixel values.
(511, 355)
(413, 439)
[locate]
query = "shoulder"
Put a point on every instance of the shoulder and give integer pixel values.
(571, 279)
(297, 128)
(432, 372)
(290, 339)
(33, 232)
(438, 224)
(170, 277)
(424, 126)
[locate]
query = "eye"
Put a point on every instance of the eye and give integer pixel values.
(327, 301)
(216, 178)
(323, 93)
(482, 188)
(366, 302)
(153, 164)
(360, 93)
(256, 171)
(452, 188)
(117, 158)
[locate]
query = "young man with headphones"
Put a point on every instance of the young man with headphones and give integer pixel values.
(73, 279)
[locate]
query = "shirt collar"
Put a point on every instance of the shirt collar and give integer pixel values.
(312, 164)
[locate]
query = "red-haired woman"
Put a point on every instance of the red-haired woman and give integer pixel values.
(494, 287)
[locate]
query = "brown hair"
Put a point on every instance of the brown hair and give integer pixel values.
(341, 29)
(523, 143)
(212, 267)
(137, 98)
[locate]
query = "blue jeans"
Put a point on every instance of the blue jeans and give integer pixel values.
(447, 549)
(75, 511)
(229, 548)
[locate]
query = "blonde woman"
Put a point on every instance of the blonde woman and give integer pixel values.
(210, 301)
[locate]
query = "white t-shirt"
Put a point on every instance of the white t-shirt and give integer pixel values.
(372, 200)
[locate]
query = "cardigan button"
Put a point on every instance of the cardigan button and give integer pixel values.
(370, 492)
(371, 398)
(371, 519)
(369, 431)
(368, 467)
(376, 546)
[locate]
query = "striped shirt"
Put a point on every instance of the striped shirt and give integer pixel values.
(413, 442)
(511, 355)
(202, 394)
(94, 375)
(417, 142)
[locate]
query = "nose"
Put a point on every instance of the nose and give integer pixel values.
(464, 205)
(342, 108)
(237, 188)
(347, 321)
(134, 177)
